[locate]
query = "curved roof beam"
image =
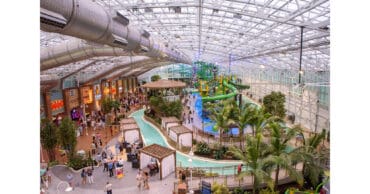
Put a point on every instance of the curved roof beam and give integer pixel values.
(122, 67)
(139, 69)
(75, 50)
(90, 21)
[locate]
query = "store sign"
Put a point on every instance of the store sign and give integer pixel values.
(97, 92)
(106, 90)
(57, 104)
(113, 90)
(87, 95)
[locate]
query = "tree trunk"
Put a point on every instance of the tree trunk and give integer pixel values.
(51, 155)
(277, 177)
(254, 186)
(240, 138)
(221, 131)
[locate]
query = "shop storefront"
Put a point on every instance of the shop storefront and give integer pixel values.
(71, 100)
(97, 96)
(113, 90)
(87, 98)
(119, 88)
(106, 90)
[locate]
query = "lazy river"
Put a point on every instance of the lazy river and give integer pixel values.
(151, 135)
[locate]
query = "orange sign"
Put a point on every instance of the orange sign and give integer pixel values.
(56, 104)
(113, 90)
(87, 95)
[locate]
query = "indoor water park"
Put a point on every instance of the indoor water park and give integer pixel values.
(147, 98)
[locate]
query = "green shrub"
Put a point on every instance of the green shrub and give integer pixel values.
(220, 152)
(211, 174)
(220, 189)
(77, 162)
(202, 149)
(238, 191)
(268, 191)
(53, 163)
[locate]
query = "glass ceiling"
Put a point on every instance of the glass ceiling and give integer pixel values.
(250, 33)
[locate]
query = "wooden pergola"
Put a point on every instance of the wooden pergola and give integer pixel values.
(166, 120)
(127, 130)
(180, 131)
(160, 153)
(127, 121)
(160, 84)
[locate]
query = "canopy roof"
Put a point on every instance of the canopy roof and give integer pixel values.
(131, 126)
(169, 119)
(180, 129)
(164, 84)
(128, 120)
(243, 34)
(157, 151)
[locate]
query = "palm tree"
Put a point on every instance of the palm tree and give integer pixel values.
(259, 119)
(48, 137)
(221, 119)
(312, 154)
(255, 160)
(221, 114)
(280, 157)
(242, 120)
(67, 136)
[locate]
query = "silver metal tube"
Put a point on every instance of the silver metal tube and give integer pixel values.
(90, 21)
(75, 50)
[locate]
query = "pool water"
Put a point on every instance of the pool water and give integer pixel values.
(208, 124)
(151, 135)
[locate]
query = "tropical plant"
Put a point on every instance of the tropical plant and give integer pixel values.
(274, 104)
(48, 137)
(220, 189)
(280, 157)
(166, 108)
(312, 154)
(77, 162)
(255, 159)
(108, 104)
(155, 78)
(202, 148)
(219, 152)
(245, 117)
(223, 117)
(268, 191)
(67, 136)
(259, 119)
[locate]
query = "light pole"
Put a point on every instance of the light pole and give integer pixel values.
(68, 189)
(191, 154)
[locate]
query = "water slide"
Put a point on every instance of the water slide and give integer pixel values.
(240, 86)
(223, 96)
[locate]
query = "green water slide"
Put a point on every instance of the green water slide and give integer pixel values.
(240, 86)
(224, 96)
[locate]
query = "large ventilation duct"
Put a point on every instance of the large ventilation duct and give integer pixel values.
(88, 20)
(75, 50)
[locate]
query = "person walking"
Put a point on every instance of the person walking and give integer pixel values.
(139, 179)
(90, 177)
(108, 188)
(110, 168)
(146, 180)
(83, 176)
(48, 174)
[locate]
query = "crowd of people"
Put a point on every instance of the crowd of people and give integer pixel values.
(188, 113)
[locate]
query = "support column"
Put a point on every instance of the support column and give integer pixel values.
(47, 104)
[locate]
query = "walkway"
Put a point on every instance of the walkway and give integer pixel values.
(125, 185)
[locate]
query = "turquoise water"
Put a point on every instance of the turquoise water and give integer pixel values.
(151, 135)
(208, 123)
